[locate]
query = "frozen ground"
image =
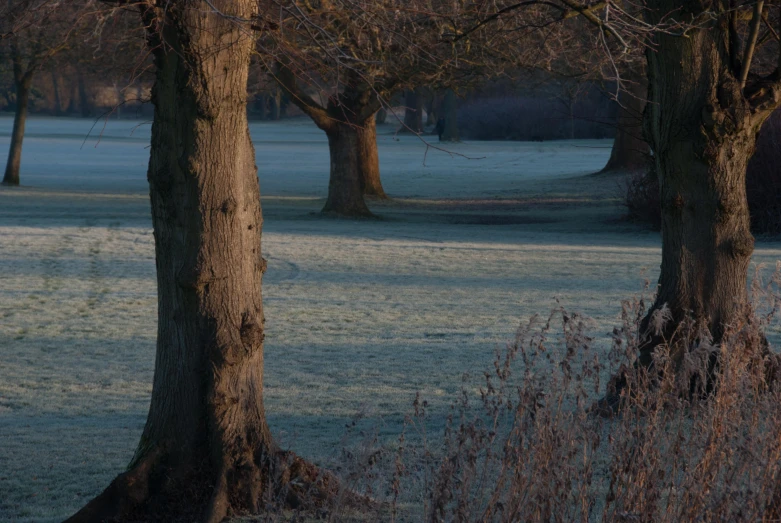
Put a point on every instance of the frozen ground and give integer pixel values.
(361, 315)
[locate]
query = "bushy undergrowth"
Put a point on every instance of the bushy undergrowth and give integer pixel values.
(763, 186)
(528, 444)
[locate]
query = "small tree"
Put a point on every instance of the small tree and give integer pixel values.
(33, 32)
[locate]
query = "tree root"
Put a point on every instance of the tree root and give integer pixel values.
(156, 491)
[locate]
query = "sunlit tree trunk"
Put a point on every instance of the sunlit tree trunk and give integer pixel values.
(369, 160)
(206, 451)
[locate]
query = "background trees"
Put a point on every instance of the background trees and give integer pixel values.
(33, 32)
(342, 61)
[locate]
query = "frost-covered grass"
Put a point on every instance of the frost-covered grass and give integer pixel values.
(360, 315)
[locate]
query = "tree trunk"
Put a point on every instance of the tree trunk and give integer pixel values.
(274, 105)
(369, 160)
(206, 451)
(14, 163)
(345, 187)
(702, 127)
(84, 103)
(630, 152)
(57, 97)
(450, 110)
(431, 109)
(413, 113)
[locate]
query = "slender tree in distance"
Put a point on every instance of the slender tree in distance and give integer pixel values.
(33, 32)
(206, 451)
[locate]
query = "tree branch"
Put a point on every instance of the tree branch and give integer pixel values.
(287, 80)
(756, 21)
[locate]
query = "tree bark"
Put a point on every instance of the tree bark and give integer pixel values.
(369, 160)
(346, 183)
(206, 451)
(14, 162)
(702, 128)
(450, 108)
(630, 151)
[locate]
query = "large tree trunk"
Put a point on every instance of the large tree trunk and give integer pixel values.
(345, 187)
(14, 163)
(630, 151)
(413, 113)
(206, 451)
(702, 127)
(450, 110)
(369, 160)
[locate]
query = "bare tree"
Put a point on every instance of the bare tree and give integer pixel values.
(206, 451)
(33, 31)
(706, 106)
(340, 61)
(708, 98)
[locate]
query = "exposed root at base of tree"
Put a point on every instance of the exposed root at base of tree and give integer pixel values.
(156, 491)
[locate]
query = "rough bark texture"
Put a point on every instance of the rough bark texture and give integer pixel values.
(369, 160)
(702, 128)
(206, 451)
(23, 85)
(345, 186)
(413, 113)
(630, 151)
(450, 110)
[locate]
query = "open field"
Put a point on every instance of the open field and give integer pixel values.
(360, 314)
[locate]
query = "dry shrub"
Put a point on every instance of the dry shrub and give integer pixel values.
(528, 446)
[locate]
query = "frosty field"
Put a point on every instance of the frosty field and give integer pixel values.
(361, 315)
